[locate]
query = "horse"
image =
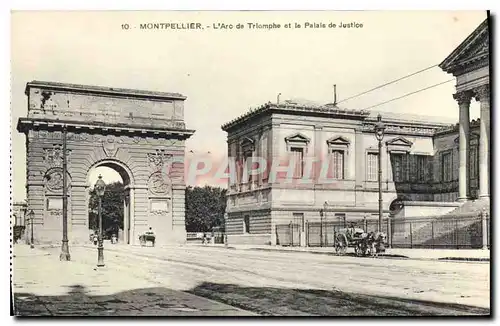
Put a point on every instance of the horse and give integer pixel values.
(376, 241)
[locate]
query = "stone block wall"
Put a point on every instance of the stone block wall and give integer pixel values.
(149, 161)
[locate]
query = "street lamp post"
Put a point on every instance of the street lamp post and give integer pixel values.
(65, 255)
(321, 213)
(31, 216)
(379, 133)
(99, 188)
(325, 206)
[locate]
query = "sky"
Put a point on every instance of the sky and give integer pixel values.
(223, 73)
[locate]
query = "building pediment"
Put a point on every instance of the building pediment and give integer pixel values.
(338, 140)
(399, 144)
(399, 141)
(473, 51)
(297, 138)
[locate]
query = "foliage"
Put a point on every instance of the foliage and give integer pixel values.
(205, 207)
(112, 208)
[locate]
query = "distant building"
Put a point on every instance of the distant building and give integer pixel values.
(18, 220)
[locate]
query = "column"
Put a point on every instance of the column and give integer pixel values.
(483, 95)
(463, 99)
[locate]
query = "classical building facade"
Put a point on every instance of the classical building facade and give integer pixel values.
(344, 143)
(433, 166)
(469, 63)
(140, 134)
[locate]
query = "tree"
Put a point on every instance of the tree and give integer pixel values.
(112, 208)
(205, 208)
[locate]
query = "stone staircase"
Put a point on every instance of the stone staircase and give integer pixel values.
(470, 208)
(457, 229)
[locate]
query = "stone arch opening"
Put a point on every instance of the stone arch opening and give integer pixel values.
(116, 202)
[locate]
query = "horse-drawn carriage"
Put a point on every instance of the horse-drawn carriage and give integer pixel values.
(146, 237)
(362, 242)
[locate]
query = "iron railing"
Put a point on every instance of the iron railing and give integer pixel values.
(450, 232)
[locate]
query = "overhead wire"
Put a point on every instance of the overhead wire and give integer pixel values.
(388, 83)
(411, 93)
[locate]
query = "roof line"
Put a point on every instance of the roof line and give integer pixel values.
(102, 90)
(444, 65)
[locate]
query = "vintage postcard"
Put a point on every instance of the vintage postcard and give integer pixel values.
(250, 163)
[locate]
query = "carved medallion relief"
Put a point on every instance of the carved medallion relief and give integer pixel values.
(54, 180)
(159, 182)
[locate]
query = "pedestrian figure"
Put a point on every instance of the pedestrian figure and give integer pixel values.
(96, 238)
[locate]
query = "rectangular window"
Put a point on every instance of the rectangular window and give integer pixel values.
(246, 224)
(421, 168)
(337, 164)
(298, 160)
(372, 166)
(446, 167)
(399, 167)
(298, 218)
(473, 163)
(247, 157)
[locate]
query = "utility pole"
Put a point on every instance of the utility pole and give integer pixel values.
(65, 256)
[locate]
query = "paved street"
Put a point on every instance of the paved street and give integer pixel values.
(271, 283)
(45, 286)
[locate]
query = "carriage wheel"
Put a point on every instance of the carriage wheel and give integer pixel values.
(341, 244)
(359, 250)
(364, 250)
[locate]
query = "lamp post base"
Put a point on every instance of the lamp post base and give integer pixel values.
(100, 255)
(65, 256)
(32, 246)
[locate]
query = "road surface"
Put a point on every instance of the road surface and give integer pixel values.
(292, 283)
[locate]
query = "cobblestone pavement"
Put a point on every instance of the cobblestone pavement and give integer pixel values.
(294, 283)
(45, 286)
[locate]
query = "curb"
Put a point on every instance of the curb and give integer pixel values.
(385, 256)
(464, 259)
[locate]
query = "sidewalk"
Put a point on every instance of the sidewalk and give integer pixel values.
(422, 254)
(44, 286)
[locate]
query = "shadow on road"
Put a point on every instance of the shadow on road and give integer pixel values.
(156, 301)
(271, 301)
(265, 301)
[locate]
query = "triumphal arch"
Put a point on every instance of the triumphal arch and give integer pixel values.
(140, 134)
